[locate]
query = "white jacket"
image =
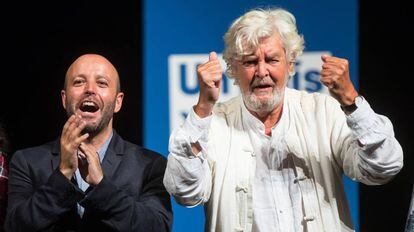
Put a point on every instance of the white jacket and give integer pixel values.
(323, 147)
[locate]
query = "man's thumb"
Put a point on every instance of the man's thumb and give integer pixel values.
(212, 56)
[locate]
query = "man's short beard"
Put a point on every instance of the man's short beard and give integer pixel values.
(253, 104)
(95, 129)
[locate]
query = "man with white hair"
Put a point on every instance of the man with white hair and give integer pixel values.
(273, 158)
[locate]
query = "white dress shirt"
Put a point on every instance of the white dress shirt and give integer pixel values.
(277, 201)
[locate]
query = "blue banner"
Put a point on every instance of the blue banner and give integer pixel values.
(178, 35)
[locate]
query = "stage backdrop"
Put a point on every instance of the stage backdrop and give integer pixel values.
(178, 35)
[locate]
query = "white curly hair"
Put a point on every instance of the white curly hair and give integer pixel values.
(246, 32)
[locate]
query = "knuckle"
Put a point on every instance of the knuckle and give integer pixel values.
(202, 74)
(199, 68)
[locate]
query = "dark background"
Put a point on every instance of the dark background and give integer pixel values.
(385, 80)
(41, 39)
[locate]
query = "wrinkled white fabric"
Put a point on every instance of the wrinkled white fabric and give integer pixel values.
(239, 171)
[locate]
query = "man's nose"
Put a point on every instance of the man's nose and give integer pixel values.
(90, 88)
(262, 70)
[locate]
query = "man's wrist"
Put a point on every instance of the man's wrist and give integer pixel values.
(203, 109)
(68, 173)
(349, 109)
(96, 181)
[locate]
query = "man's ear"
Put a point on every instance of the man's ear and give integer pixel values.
(118, 102)
(291, 67)
(63, 96)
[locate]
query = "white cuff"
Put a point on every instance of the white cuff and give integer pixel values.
(196, 126)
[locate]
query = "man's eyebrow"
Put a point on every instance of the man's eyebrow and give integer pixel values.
(102, 76)
(273, 54)
(249, 56)
(79, 75)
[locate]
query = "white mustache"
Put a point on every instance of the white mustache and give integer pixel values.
(262, 81)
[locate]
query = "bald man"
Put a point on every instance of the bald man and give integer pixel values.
(89, 179)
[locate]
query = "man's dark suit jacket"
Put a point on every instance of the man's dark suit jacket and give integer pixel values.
(130, 197)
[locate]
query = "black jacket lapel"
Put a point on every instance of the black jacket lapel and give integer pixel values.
(113, 155)
(55, 154)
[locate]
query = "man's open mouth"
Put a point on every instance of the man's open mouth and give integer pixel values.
(263, 86)
(89, 106)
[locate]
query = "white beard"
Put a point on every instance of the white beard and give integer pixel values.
(254, 104)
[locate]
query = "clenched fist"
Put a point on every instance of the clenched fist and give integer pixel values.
(335, 76)
(209, 78)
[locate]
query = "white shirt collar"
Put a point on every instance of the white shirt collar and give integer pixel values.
(250, 122)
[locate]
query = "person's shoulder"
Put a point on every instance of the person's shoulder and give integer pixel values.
(302, 94)
(229, 106)
(312, 102)
(145, 153)
(36, 152)
(153, 155)
(143, 160)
